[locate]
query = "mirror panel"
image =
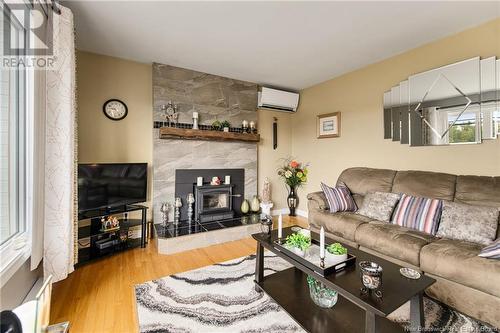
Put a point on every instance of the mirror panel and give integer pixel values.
(488, 98)
(404, 110)
(442, 104)
(396, 119)
(387, 115)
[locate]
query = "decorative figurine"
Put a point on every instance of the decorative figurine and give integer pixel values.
(177, 215)
(266, 203)
(190, 201)
(164, 209)
(255, 204)
(266, 225)
(245, 206)
(169, 111)
(215, 181)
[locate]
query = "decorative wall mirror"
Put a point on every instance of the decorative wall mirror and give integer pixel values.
(453, 104)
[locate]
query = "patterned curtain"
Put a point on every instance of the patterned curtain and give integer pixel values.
(60, 153)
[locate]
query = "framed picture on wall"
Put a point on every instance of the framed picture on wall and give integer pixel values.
(329, 125)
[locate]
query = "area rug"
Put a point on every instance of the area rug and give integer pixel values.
(222, 298)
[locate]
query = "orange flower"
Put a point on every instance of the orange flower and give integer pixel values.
(294, 164)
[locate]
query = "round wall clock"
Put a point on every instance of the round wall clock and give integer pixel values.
(115, 109)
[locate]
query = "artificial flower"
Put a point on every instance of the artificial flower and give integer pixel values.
(294, 164)
(288, 174)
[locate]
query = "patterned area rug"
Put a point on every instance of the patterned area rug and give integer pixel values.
(221, 298)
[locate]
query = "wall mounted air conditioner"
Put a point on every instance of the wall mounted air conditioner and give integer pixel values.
(278, 100)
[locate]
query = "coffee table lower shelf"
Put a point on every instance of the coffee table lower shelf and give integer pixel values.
(289, 289)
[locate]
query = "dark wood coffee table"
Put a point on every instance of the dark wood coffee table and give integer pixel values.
(354, 311)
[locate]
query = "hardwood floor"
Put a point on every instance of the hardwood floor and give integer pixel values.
(99, 296)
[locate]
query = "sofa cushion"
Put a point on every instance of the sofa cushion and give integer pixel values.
(365, 180)
(379, 205)
(478, 190)
(418, 213)
(425, 184)
(339, 199)
(491, 251)
(468, 222)
(458, 261)
(340, 224)
(392, 240)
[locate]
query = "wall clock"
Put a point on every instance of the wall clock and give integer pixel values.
(115, 109)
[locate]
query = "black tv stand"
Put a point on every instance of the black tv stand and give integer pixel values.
(94, 242)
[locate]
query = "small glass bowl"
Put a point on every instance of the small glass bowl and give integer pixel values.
(320, 294)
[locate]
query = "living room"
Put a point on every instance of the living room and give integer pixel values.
(250, 166)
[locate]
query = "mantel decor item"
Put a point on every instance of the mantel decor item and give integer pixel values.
(371, 277)
(195, 120)
(294, 174)
(328, 125)
(255, 204)
(169, 111)
(225, 125)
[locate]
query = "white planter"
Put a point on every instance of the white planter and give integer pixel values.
(333, 259)
(297, 251)
(226, 129)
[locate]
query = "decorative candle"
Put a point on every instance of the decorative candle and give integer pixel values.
(280, 226)
(227, 180)
(199, 181)
(244, 124)
(322, 243)
(195, 115)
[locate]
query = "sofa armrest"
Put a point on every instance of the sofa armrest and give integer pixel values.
(317, 200)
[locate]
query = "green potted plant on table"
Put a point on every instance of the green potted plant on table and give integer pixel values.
(298, 243)
(294, 174)
(336, 252)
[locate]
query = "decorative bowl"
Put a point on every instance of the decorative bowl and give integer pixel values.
(320, 294)
(371, 274)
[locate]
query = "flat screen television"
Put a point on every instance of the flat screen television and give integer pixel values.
(109, 185)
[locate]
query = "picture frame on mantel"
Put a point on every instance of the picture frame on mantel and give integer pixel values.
(328, 125)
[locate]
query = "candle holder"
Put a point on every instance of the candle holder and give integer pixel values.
(177, 215)
(164, 209)
(190, 201)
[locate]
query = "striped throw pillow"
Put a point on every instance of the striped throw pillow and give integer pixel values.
(491, 251)
(417, 213)
(339, 199)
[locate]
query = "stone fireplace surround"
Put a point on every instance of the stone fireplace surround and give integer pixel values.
(213, 97)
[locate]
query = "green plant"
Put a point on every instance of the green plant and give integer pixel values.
(216, 125)
(299, 241)
(336, 248)
(225, 123)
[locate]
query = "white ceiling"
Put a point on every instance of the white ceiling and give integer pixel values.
(285, 44)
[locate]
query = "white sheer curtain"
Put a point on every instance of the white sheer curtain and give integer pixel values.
(60, 155)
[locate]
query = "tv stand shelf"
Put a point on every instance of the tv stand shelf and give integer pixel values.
(94, 243)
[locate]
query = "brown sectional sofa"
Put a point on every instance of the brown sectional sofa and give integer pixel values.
(466, 282)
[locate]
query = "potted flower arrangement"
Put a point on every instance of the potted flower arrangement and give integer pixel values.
(294, 174)
(216, 125)
(298, 243)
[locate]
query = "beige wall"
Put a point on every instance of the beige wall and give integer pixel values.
(358, 95)
(100, 139)
(268, 158)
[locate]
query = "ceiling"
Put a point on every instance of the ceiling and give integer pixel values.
(285, 44)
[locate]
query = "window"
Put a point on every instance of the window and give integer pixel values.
(13, 113)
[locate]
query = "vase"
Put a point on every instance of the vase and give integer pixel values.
(255, 204)
(320, 294)
(245, 207)
(292, 200)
